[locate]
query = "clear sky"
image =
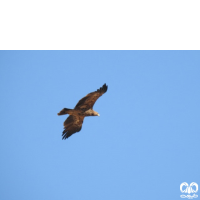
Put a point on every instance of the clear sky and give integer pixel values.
(143, 146)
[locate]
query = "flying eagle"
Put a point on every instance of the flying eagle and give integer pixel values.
(82, 109)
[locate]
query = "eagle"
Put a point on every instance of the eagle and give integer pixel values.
(82, 109)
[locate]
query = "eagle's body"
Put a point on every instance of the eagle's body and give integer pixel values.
(82, 109)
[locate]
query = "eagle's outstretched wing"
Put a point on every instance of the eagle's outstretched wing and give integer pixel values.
(89, 100)
(72, 125)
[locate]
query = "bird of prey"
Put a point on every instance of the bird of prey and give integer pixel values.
(82, 109)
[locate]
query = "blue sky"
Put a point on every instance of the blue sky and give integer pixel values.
(143, 146)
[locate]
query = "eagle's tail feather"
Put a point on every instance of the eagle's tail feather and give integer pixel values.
(64, 111)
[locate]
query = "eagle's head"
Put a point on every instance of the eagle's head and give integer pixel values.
(95, 113)
(91, 112)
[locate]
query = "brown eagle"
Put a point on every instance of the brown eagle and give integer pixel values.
(82, 109)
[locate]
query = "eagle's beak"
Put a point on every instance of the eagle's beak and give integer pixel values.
(98, 114)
